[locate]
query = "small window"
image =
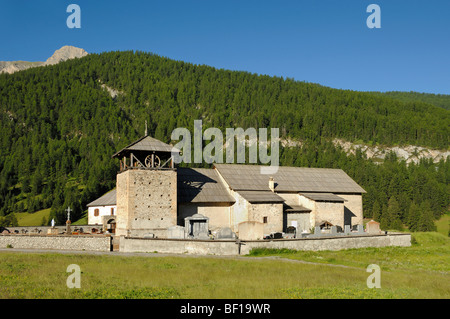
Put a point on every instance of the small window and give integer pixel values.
(112, 210)
(265, 219)
(96, 212)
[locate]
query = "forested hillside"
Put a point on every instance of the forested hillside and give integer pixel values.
(441, 100)
(60, 126)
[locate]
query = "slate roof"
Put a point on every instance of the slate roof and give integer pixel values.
(324, 197)
(288, 179)
(261, 197)
(296, 208)
(148, 144)
(106, 200)
(201, 185)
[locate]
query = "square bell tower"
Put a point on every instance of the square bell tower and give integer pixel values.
(146, 189)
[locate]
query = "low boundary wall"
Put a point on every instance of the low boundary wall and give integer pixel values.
(42, 230)
(198, 247)
(228, 247)
(59, 242)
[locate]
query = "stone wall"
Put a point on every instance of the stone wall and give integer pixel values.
(239, 211)
(335, 243)
(332, 212)
(60, 242)
(230, 247)
(272, 212)
(146, 201)
(122, 202)
(302, 220)
(203, 247)
(353, 209)
(178, 246)
(310, 204)
(42, 230)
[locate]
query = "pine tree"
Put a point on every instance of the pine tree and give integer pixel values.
(414, 216)
(426, 222)
(393, 213)
(384, 219)
(376, 211)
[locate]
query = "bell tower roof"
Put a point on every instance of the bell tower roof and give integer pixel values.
(145, 144)
(146, 153)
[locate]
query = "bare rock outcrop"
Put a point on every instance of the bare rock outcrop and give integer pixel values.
(65, 53)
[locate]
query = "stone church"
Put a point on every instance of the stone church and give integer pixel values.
(152, 195)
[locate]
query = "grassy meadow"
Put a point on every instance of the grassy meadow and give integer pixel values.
(419, 271)
(33, 219)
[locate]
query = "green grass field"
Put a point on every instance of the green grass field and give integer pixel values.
(32, 219)
(419, 271)
(35, 219)
(443, 224)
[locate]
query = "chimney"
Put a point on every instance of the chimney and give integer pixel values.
(271, 184)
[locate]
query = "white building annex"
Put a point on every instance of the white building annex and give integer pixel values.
(101, 208)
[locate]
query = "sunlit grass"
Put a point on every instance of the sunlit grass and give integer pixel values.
(33, 219)
(429, 252)
(420, 271)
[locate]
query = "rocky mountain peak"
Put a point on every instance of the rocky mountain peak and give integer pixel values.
(65, 53)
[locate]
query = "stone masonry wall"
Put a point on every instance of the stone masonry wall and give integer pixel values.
(122, 202)
(273, 213)
(353, 209)
(224, 247)
(146, 200)
(330, 211)
(60, 242)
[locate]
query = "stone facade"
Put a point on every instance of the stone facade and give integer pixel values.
(353, 209)
(332, 212)
(310, 204)
(300, 220)
(251, 230)
(218, 213)
(146, 201)
(270, 214)
(148, 204)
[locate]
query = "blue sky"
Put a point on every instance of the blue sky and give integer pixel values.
(320, 41)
